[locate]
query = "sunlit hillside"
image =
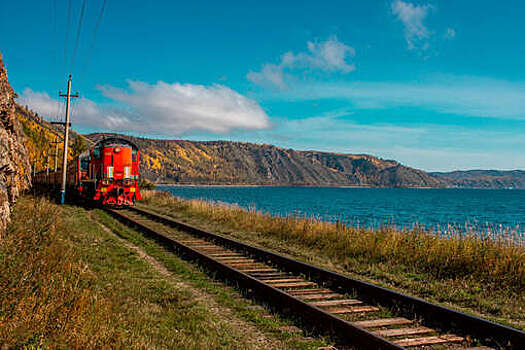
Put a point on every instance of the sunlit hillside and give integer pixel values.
(40, 138)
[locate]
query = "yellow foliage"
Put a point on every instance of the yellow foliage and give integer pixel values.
(39, 143)
(151, 163)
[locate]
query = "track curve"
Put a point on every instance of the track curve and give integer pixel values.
(353, 311)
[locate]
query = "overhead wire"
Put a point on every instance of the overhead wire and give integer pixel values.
(79, 30)
(97, 26)
(54, 62)
(68, 24)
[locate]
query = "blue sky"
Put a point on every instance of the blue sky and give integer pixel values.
(438, 85)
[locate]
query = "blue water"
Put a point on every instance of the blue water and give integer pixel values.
(438, 209)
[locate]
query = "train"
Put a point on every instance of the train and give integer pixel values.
(106, 174)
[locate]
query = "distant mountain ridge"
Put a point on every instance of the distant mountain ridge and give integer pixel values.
(226, 162)
(483, 178)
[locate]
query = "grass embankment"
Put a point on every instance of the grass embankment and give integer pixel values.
(68, 282)
(476, 275)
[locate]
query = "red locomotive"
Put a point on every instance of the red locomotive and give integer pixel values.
(107, 174)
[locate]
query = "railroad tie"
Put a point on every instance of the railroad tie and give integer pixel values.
(433, 340)
(225, 255)
(235, 260)
(245, 264)
(256, 270)
(193, 242)
(336, 302)
(300, 292)
(209, 248)
(283, 280)
(293, 284)
(403, 331)
(269, 276)
(352, 310)
(309, 297)
(382, 322)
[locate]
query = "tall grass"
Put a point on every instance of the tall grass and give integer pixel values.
(45, 296)
(500, 263)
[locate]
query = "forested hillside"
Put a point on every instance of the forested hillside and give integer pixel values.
(224, 162)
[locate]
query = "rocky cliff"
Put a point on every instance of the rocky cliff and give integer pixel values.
(14, 164)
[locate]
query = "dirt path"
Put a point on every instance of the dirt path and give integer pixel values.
(249, 332)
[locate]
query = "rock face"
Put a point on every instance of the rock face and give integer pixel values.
(14, 163)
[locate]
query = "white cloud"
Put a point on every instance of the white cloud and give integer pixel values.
(425, 146)
(83, 111)
(450, 33)
(413, 16)
(163, 109)
(328, 56)
(270, 75)
(46, 105)
(468, 96)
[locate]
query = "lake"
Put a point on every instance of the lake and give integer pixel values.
(500, 211)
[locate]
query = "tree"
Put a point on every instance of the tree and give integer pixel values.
(78, 146)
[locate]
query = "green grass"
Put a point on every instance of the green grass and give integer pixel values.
(480, 276)
(67, 283)
(225, 295)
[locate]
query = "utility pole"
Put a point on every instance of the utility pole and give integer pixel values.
(56, 153)
(66, 139)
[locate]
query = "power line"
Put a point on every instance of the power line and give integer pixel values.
(68, 24)
(97, 25)
(79, 29)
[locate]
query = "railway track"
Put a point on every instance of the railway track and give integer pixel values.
(352, 311)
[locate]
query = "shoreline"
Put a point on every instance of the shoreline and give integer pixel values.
(473, 223)
(416, 263)
(335, 186)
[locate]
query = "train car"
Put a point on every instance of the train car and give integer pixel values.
(107, 174)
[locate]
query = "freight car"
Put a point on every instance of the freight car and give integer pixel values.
(107, 174)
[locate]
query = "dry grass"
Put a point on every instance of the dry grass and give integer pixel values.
(45, 295)
(497, 264)
(66, 283)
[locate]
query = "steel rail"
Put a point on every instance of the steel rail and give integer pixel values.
(343, 330)
(432, 314)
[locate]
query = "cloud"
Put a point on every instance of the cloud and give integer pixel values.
(413, 17)
(327, 56)
(271, 75)
(46, 105)
(468, 96)
(161, 108)
(84, 111)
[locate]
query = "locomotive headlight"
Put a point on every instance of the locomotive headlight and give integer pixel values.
(110, 171)
(127, 171)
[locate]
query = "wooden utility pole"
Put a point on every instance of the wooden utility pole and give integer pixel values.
(56, 153)
(66, 139)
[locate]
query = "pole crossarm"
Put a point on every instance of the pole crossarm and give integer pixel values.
(60, 123)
